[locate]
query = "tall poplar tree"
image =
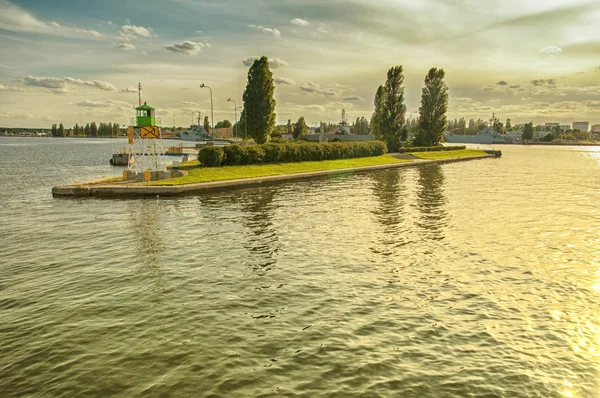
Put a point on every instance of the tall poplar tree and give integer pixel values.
(434, 106)
(259, 104)
(61, 130)
(377, 117)
(300, 128)
(394, 109)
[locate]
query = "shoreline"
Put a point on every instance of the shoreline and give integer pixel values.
(108, 190)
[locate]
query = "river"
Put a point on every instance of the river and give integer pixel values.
(473, 279)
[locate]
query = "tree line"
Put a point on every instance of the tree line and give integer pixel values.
(88, 130)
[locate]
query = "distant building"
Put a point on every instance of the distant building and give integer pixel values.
(596, 128)
(552, 125)
(581, 126)
(565, 127)
(223, 132)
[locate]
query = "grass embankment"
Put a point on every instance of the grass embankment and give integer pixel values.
(197, 174)
(447, 154)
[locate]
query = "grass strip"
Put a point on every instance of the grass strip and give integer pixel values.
(447, 154)
(198, 174)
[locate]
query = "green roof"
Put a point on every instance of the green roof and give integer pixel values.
(144, 107)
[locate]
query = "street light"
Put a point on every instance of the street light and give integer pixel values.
(212, 120)
(235, 115)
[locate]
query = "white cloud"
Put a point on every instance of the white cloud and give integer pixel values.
(129, 90)
(15, 18)
(271, 31)
(299, 22)
(323, 28)
(274, 63)
(550, 50)
(186, 47)
(60, 85)
(15, 115)
(126, 47)
(129, 32)
(10, 88)
(283, 80)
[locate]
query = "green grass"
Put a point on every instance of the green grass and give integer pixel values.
(197, 174)
(447, 154)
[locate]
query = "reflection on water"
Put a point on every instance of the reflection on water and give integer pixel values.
(260, 207)
(390, 190)
(431, 201)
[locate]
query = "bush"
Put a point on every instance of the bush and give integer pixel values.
(288, 152)
(432, 148)
(211, 156)
(234, 155)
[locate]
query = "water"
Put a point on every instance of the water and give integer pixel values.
(475, 279)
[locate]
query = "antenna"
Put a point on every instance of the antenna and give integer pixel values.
(140, 93)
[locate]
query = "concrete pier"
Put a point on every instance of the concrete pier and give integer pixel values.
(128, 189)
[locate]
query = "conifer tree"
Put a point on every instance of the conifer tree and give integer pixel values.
(259, 104)
(394, 110)
(207, 125)
(433, 109)
(300, 128)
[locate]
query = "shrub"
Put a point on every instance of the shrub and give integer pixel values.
(211, 156)
(432, 148)
(255, 154)
(288, 152)
(234, 155)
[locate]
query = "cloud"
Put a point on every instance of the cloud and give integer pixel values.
(299, 22)
(126, 47)
(502, 83)
(60, 85)
(514, 86)
(274, 63)
(283, 80)
(186, 47)
(129, 90)
(15, 115)
(313, 88)
(550, 50)
(137, 31)
(121, 105)
(323, 28)
(544, 82)
(354, 98)
(10, 88)
(15, 18)
(271, 31)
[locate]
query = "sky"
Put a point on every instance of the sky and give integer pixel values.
(74, 61)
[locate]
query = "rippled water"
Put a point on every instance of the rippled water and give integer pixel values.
(475, 279)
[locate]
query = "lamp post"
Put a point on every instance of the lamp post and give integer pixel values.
(235, 115)
(212, 120)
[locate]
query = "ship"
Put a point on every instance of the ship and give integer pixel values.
(195, 133)
(485, 136)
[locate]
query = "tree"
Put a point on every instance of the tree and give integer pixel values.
(527, 132)
(508, 126)
(393, 108)
(87, 130)
(61, 130)
(207, 125)
(93, 129)
(54, 131)
(300, 128)
(432, 112)
(377, 117)
(224, 124)
(76, 130)
(259, 104)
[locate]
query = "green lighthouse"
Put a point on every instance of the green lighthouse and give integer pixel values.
(145, 116)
